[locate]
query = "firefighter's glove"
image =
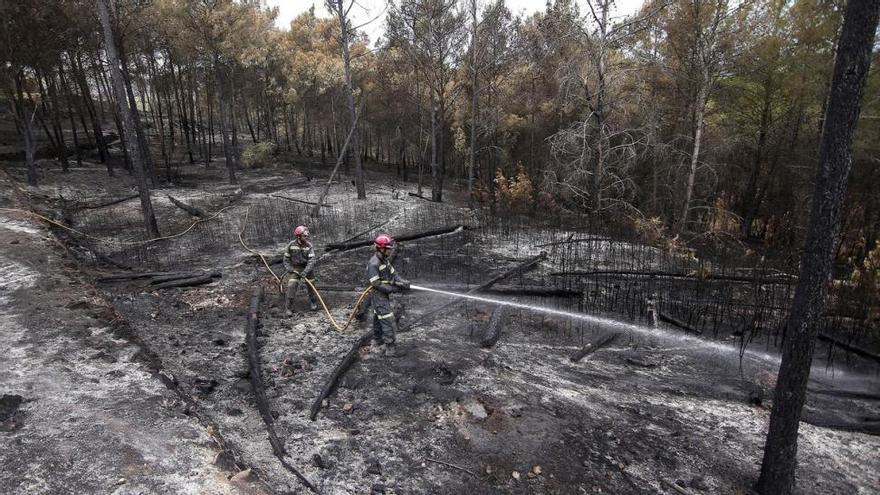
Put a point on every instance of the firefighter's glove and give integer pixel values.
(402, 284)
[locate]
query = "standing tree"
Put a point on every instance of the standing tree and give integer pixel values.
(127, 119)
(431, 32)
(341, 12)
(594, 154)
(835, 157)
(700, 39)
(31, 39)
(472, 152)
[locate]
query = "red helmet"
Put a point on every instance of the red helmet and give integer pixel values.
(301, 231)
(384, 241)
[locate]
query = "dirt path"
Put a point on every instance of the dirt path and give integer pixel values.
(81, 410)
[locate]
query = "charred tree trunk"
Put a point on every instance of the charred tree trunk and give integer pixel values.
(851, 67)
(474, 100)
(224, 122)
(79, 75)
(143, 148)
(253, 321)
(341, 13)
(493, 330)
(593, 346)
(26, 117)
(192, 210)
(68, 98)
(316, 211)
(56, 121)
(119, 88)
(436, 173)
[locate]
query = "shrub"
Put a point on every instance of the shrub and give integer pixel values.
(257, 155)
(516, 194)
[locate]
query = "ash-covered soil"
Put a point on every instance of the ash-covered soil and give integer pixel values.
(82, 410)
(651, 410)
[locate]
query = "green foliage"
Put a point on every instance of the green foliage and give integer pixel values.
(257, 155)
(517, 194)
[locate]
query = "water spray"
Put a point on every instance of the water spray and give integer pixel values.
(609, 322)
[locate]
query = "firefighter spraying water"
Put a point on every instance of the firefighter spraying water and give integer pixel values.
(384, 280)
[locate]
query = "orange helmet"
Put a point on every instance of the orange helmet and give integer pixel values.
(301, 231)
(384, 241)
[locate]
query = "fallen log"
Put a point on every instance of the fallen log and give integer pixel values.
(858, 351)
(107, 203)
(493, 330)
(674, 275)
(192, 210)
(343, 366)
(374, 227)
(678, 323)
(312, 203)
(154, 366)
(116, 277)
(185, 282)
(420, 197)
(845, 394)
(668, 483)
(351, 356)
(593, 346)
(575, 241)
(256, 372)
(404, 238)
(110, 261)
(640, 363)
(182, 275)
(868, 425)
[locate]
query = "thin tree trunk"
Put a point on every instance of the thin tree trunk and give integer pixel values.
(600, 110)
(185, 118)
(349, 93)
(27, 123)
(851, 67)
(436, 176)
(474, 101)
(316, 211)
(80, 76)
(119, 88)
(144, 149)
(56, 117)
(702, 96)
(68, 97)
(287, 127)
(750, 202)
(224, 122)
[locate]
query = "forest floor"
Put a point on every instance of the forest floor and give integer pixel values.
(653, 412)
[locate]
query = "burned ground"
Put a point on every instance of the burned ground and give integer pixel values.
(653, 411)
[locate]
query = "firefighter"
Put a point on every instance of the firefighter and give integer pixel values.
(299, 261)
(385, 281)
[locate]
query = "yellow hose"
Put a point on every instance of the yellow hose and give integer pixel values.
(280, 281)
(354, 311)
